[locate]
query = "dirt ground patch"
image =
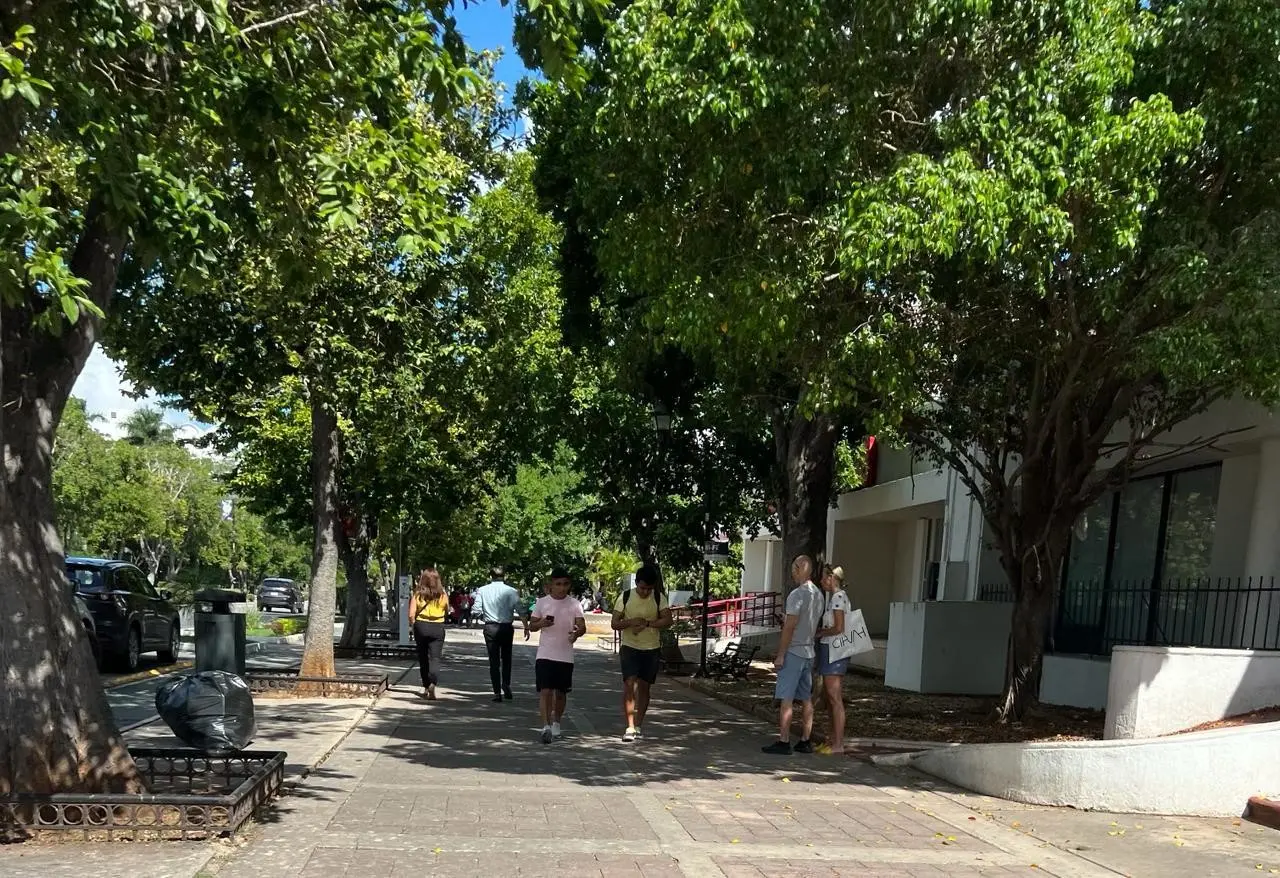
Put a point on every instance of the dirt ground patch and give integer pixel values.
(1265, 715)
(873, 710)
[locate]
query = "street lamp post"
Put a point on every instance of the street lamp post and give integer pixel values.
(662, 426)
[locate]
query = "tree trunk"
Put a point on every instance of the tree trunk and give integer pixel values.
(56, 729)
(805, 457)
(1026, 649)
(317, 653)
(355, 560)
(1032, 549)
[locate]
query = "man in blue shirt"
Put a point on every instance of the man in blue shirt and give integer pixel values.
(496, 605)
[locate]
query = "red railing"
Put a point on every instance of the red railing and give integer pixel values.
(726, 618)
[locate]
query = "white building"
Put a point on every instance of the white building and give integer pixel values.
(1182, 556)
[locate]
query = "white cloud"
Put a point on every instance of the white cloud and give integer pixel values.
(111, 397)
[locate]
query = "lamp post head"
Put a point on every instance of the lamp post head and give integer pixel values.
(661, 418)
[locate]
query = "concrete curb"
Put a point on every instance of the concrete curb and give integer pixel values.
(1263, 812)
(290, 639)
(1199, 774)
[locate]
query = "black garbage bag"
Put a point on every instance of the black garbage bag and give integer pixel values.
(211, 711)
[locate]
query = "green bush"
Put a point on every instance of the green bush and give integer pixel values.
(286, 627)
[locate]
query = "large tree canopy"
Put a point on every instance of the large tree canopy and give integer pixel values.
(703, 193)
(129, 133)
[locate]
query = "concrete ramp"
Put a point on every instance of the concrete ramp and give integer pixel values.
(1200, 774)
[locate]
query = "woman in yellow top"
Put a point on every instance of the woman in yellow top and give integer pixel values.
(427, 609)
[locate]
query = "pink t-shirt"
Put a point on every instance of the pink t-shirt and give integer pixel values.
(554, 643)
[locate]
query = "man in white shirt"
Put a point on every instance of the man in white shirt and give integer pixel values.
(496, 605)
(794, 661)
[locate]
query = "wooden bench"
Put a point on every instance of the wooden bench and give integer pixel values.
(733, 661)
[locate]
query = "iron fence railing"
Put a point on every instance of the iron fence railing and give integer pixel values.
(1091, 617)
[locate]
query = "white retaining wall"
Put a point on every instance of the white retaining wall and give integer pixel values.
(1208, 774)
(1075, 681)
(1159, 690)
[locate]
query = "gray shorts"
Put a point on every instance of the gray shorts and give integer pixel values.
(795, 679)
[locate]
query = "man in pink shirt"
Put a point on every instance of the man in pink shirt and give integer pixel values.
(559, 621)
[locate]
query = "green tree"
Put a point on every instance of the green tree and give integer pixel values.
(1094, 234)
(704, 194)
(131, 134)
(146, 426)
(81, 476)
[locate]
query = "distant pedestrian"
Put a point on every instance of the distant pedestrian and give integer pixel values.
(558, 619)
(833, 672)
(641, 613)
(794, 661)
(428, 608)
(496, 606)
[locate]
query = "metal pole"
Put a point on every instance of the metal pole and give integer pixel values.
(706, 603)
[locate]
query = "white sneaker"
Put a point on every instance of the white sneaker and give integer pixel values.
(555, 730)
(630, 735)
(639, 733)
(546, 734)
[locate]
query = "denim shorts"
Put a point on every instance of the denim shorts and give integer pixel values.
(795, 679)
(828, 668)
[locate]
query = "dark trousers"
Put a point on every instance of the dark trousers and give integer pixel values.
(429, 636)
(497, 641)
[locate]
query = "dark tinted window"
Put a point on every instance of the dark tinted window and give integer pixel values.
(129, 579)
(86, 579)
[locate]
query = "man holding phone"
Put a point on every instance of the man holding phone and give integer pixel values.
(559, 620)
(640, 615)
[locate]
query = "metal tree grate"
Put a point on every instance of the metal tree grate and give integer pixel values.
(268, 680)
(190, 796)
(380, 634)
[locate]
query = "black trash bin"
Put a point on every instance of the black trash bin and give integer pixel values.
(220, 633)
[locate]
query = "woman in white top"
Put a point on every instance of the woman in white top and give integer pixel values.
(833, 671)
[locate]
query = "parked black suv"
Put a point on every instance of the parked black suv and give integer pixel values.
(281, 594)
(130, 615)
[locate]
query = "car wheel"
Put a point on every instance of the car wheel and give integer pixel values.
(129, 660)
(170, 653)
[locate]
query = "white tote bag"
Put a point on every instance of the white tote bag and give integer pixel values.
(854, 641)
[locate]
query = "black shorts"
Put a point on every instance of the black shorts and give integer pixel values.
(553, 675)
(642, 663)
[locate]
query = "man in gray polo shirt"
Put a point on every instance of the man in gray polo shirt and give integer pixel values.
(496, 605)
(794, 662)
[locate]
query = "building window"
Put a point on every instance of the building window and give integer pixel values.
(1137, 561)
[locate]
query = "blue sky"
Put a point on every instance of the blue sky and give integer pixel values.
(484, 25)
(488, 25)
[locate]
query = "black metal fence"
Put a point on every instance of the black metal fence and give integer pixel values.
(189, 796)
(1091, 617)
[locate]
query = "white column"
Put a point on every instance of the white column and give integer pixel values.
(769, 564)
(1262, 558)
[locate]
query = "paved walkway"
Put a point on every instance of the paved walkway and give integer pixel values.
(460, 787)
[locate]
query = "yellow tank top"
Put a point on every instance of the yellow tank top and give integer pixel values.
(432, 611)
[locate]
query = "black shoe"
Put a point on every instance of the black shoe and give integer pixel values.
(498, 699)
(778, 748)
(805, 746)
(507, 695)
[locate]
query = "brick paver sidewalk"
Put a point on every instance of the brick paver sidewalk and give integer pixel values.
(461, 787)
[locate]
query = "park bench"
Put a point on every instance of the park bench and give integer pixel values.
(733, 661)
